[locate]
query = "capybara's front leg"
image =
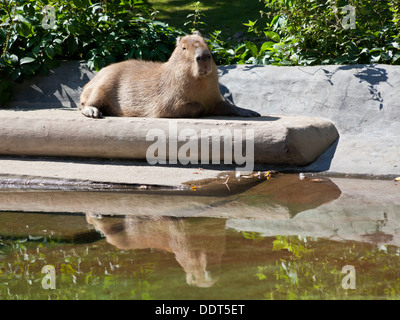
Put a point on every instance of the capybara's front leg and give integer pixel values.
(91, 112)
(225, 108)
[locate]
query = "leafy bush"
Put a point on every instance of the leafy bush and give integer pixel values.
(36, 33)
(320, 32)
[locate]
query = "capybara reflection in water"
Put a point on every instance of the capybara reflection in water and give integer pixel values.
(184, 87)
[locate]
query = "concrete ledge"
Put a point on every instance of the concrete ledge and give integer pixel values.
(361, 100)
(66, 133)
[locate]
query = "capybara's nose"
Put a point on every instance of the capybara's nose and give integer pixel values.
(203, 55)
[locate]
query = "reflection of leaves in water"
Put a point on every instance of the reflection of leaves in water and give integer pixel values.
(313, 270)
(252, 235)
(296, 245)
(261, 273)
(81, 272)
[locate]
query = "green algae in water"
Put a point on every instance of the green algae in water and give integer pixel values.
(196, 258)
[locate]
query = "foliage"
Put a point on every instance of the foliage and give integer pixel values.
(225, 15)
(321, 32)
(34, 34)
(196, 17)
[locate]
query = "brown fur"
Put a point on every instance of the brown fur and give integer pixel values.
(185, 86)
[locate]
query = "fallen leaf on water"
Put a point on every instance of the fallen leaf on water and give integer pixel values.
(397, 179)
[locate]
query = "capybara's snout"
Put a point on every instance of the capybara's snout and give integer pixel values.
(203, 58)
(202, 55)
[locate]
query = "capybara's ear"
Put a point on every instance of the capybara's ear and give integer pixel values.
(178, 40)
(197, 32)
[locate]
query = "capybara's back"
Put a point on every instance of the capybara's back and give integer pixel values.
(185, 86)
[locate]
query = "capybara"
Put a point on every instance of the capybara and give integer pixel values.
(186, 86)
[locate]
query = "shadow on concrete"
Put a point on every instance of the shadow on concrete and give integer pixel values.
(234, 118)
(323, 162)
(225, 69)
(372, 75)
(61, 88)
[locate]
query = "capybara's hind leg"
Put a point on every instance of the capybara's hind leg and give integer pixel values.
(91, 112)
(92, 99)
(225, 108)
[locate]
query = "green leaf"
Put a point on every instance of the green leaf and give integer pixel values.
(49, 51)
(22, 19)
(374, 50)
(13, 58)
(104, 18)
(24, 30)
(265, 46)
(396, 57)
(16, 74)
(273, 36)
(26, 60)
(252, 47)
(28, 69)
(274, 20)
(139, 54)
(239, 48)
(286, 62)
(250, 23)
(353, 47)
(375, 59)
(341, 60)
(72, 44)
(36, 51)
(58, 41)
(395, 45)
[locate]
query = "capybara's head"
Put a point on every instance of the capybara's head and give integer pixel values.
(193, 51)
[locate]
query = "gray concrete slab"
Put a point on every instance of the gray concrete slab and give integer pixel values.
(362, 102)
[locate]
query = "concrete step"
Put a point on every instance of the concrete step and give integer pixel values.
(66, 133)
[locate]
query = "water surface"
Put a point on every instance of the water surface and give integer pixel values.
(281, 238)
